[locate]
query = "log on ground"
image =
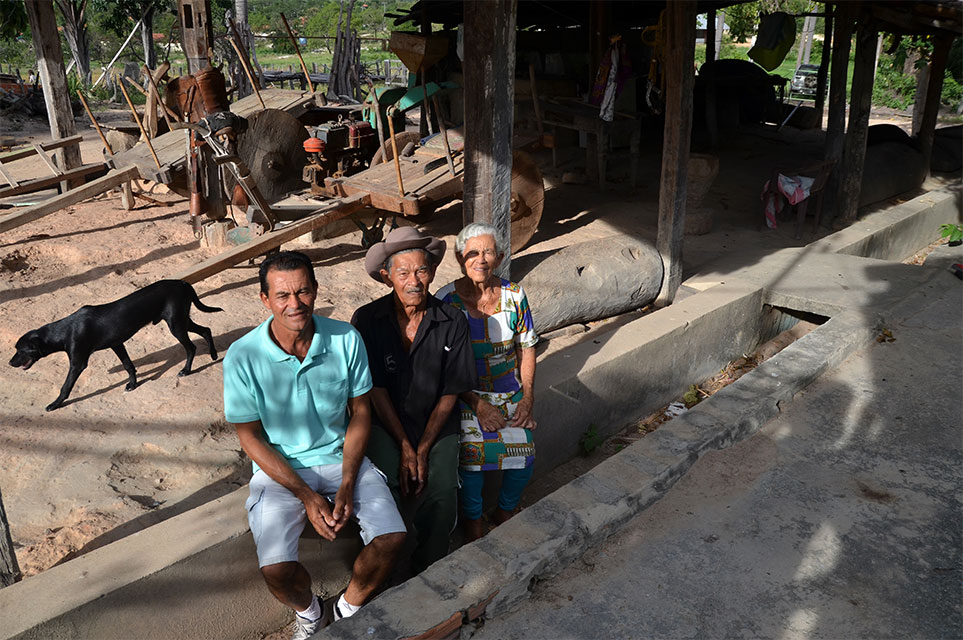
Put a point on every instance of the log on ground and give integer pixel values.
(592, 280)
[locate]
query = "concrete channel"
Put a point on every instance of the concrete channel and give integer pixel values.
(193, 576)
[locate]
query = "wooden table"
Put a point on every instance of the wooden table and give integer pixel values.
(585, 117)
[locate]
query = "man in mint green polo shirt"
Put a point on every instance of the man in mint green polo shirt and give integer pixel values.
(296, 389)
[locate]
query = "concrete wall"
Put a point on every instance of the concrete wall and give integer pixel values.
(896, 233)
(600, 382)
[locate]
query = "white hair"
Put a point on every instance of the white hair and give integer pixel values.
(474, 230)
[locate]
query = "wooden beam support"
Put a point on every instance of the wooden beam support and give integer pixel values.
(824, 63)
(197, 38)
(860, 103)
(46, 146)
(710, 35)
(9, 568)
(98, 186)
(843, 21)
(679, 80)
(934, 88)
(489, 97)
(262, 244)
(53, 77)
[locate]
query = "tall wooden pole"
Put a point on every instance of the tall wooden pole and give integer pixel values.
(824, 62)
(836, 121)
(860, 103)
(710, 36)
(489, 96)
(679, 81)
(53, 77)
(197, 38)
(9, 569)
(934, 88)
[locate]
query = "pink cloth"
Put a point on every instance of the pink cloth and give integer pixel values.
(794, 189)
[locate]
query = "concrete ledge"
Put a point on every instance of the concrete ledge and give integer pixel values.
(493, 574)
(896, 233)
(600, 383)
(186, 567)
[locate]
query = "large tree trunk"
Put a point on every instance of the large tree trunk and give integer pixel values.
(75, 31)
(147, 38)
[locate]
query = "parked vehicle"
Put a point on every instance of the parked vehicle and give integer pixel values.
(804, 81)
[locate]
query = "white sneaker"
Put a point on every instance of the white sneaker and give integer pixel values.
(304, 629)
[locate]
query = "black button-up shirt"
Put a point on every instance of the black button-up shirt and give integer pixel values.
(440, 361)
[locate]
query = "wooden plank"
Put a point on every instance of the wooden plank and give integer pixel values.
(6, 176)
(109, 181)
(860, 102)
(680, 80)
(489, 104)
(262, 244)
(43, 183)
(53, 77)
(50, 145)
(46, 159)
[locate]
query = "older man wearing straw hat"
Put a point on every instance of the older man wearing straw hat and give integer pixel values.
(420, 360)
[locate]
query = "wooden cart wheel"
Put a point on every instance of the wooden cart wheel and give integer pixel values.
(385, 154)
(528, 199)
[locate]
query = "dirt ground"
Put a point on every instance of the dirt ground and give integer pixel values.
(111, 462)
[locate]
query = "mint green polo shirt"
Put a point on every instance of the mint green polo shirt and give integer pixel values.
(302, 406)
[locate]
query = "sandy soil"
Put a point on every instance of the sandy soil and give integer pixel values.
(111, 462)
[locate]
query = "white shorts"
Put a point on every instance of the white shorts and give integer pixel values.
(277, 517)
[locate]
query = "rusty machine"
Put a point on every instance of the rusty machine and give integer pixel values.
(336, 149)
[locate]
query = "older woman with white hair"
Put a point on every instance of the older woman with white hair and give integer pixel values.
(496, 419)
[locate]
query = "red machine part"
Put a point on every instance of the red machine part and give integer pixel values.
(314, 145)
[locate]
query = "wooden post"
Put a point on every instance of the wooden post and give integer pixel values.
(720, 27)
(197, 39)
(836, 121)
(196, 35)
(50, 59)
(710, 35)
(9, 569)
(860, 103)
(934, 87)
(679, 81)
(820, 100)
(489, 97)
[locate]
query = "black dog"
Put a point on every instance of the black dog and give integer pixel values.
(92, 328)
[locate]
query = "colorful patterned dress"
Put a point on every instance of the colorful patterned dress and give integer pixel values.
(496, 342)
